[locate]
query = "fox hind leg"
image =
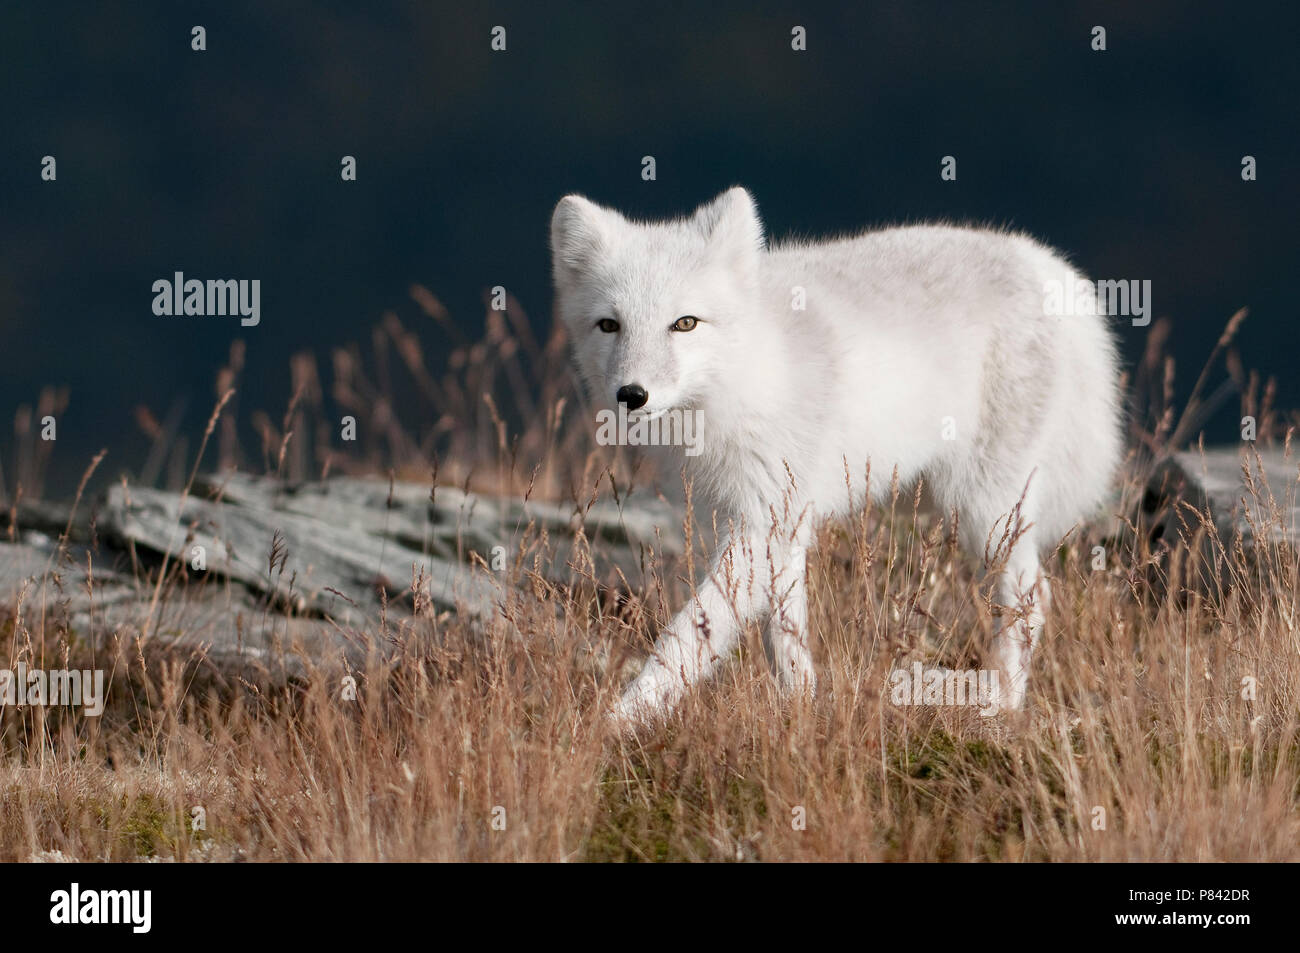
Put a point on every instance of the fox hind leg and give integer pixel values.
(1024, 594)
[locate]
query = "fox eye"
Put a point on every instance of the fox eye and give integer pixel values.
(686, 323)
(608, 325)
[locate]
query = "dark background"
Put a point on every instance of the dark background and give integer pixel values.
(225, 164)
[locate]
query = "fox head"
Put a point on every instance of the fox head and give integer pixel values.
(655, 310)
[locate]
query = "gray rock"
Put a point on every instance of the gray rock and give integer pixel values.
(296, 575)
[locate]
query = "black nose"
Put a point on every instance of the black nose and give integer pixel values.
(633, 395)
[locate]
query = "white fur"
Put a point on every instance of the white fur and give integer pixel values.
(906, 331)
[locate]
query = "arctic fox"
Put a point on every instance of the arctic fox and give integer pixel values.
(926, 349)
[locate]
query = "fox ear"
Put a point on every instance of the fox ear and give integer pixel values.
(731, 222)
(580, 232)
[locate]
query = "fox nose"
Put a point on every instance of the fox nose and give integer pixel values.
(633, 395)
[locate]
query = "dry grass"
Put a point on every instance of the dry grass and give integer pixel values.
(486, 744)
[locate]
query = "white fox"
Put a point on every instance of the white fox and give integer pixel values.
(928, 349)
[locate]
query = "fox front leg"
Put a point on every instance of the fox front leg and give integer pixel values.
(697, 639)
(788, 627)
